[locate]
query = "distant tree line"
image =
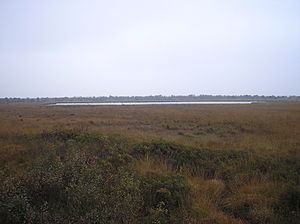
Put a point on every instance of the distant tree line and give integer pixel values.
(145, 98)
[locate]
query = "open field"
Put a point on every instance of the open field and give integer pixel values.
(150, 164)
(267, 128)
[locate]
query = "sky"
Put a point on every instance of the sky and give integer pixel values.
(55, 48)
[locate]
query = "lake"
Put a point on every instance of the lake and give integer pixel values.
(149, 103)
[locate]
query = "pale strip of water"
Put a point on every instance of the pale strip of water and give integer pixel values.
(148, 103)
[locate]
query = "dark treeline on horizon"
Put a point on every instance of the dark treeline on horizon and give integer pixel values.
(147, 98)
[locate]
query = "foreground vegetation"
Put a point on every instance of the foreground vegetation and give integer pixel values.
(91, 173)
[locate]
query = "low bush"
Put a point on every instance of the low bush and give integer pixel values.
(76, 188)
(197, 160)
(164, 196)
(78, 176)
(288, 204)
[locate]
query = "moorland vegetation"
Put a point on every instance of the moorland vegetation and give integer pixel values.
(150, 164)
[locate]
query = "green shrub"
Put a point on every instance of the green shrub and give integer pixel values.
(78, 188)
(164, 196)
(87, 177)
(198, 160)
(289, 202)
(224, 163)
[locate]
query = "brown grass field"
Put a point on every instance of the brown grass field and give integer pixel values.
(267, 128)
(268, 131)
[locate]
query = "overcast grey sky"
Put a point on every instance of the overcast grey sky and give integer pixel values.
(143, 47)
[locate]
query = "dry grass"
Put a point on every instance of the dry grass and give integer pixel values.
(267, 128)
(256, 197)
(153, 165)
(206, 194)
(264, 129)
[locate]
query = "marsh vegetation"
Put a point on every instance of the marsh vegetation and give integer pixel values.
(150, 164)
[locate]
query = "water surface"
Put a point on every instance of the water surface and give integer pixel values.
(148, 103)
